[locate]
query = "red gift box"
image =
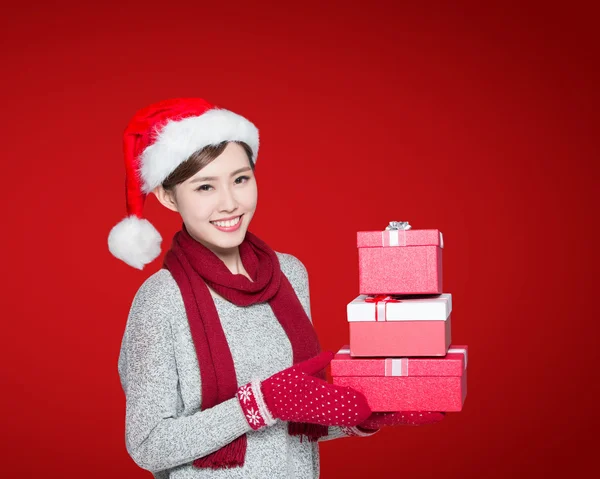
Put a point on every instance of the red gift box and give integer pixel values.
(397, 261)
(406, 384)
(398, 326)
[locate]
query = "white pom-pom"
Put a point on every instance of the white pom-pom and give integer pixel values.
(135, 241)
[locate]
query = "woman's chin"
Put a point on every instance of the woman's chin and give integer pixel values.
(227, 241)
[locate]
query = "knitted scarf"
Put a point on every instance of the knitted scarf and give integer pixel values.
(193, 267)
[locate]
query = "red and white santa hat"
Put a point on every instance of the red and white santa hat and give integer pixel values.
(157, 140)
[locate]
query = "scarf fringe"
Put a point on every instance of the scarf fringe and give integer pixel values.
(229, 456)
(312, 432)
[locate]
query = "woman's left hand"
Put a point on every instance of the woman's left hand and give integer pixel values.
(416, 418)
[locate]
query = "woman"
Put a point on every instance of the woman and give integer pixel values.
(219, 362)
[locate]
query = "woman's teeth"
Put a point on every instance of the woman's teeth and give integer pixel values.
(227, 224)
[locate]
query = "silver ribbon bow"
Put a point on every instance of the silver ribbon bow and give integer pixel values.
(398, 225)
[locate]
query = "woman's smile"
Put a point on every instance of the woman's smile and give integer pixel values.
(228, 226)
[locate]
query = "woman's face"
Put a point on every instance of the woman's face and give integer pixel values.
(224, 188)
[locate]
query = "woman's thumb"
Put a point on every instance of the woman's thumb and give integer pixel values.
(313, 365)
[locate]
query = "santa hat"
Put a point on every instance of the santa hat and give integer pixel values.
(157, 140)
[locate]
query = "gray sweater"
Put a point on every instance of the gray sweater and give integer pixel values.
(164, 427)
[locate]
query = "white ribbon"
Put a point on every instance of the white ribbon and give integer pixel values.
(462, 351)
(396, 367)
(381, 310)
(394, 238)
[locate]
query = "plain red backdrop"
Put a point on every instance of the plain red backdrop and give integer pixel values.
(474, 119)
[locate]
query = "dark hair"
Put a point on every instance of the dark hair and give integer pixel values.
(199, 160)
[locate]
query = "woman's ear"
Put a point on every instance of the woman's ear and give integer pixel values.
(166, 198)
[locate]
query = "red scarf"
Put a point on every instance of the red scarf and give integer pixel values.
(193, 266)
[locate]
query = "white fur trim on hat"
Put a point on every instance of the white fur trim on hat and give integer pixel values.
(178, 140)
(135, 241)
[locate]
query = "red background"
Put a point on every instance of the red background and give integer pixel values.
(477, 120)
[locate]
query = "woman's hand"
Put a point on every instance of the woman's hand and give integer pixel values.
(295, 394)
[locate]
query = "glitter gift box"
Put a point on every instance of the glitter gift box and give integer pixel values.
(406, 384)
(385, 325)
(400, 261)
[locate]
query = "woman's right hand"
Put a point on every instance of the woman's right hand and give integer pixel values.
(295, 394)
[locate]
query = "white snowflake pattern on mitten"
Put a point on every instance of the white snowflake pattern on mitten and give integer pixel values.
(245, 393)
(253, 416)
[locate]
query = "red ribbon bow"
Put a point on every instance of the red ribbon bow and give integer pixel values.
(381, 298)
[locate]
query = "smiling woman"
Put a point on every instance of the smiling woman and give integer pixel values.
(220, 364)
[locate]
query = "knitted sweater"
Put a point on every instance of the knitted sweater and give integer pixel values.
(164, 427)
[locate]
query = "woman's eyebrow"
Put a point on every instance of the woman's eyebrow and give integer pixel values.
(211, 178)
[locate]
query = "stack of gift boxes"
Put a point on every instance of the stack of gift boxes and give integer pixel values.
(400, 354)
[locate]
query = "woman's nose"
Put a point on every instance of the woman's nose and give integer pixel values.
(228, 201)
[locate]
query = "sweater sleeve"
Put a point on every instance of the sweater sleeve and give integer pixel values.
(157, 436)
(299, 280)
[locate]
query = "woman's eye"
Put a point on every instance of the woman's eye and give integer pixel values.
(207, 187)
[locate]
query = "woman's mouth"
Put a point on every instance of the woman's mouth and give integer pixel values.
(228, 226)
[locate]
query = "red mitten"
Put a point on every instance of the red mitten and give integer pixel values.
(379, 419)
(294, 394)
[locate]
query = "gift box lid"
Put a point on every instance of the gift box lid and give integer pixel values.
(452, 364)
(399, 233)
(400, 307)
